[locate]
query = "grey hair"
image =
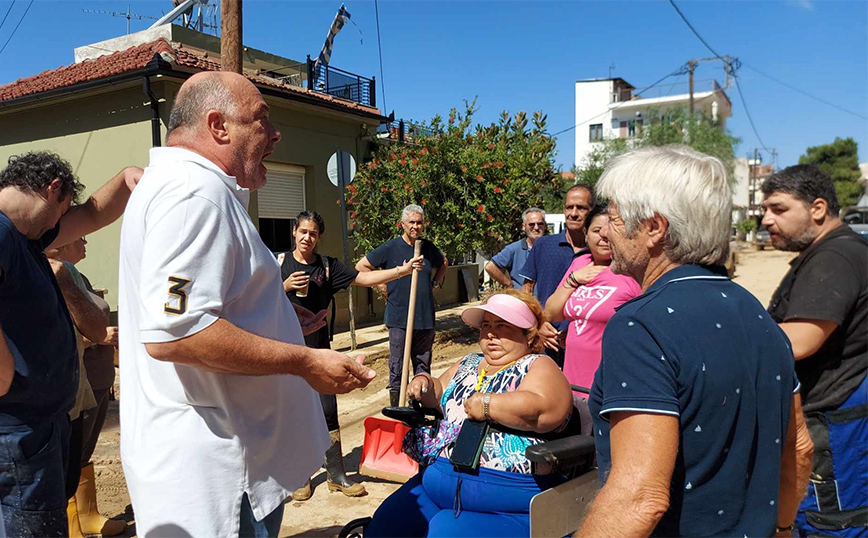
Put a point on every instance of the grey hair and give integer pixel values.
(412, 208)
(194, 101)
(530, 210)
(688, 188)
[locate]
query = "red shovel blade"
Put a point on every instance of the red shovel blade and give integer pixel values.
(382, 456)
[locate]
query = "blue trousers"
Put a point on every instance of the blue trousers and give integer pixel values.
(836, 503)
(440, 502)
(33, 469)
(269, 527)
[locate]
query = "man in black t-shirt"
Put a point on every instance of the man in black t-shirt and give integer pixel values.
(821, 305)
(393, 254)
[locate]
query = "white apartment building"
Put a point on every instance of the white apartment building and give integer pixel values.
(607, 108)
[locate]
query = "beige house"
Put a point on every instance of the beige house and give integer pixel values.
(106, 110)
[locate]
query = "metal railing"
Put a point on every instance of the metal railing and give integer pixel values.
(402, 131)
(341, 84)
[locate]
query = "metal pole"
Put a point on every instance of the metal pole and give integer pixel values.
(342, 186)
(691, 66)
(231, 36)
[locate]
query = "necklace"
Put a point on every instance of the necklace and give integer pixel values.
(481, 378)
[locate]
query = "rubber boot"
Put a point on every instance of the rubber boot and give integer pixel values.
(336, 476)
(92, 523)
(303, 493)
(72, 519)
(394, 396)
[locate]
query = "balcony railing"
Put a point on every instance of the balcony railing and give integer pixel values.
(341, 84)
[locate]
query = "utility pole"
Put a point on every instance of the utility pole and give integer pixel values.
(231, 46)
(691, 67)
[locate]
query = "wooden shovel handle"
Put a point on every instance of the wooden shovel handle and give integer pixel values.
(408, 338)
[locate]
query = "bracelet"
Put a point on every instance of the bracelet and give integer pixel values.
(788, 528)
(572, 280)
(486, 402)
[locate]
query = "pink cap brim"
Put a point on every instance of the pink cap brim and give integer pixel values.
(508, 308)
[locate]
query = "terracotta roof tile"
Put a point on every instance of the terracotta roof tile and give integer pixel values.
(138, 57)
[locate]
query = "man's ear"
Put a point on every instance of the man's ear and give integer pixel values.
(53, 192)
(216, 124)
(819, 210)
(657, 226)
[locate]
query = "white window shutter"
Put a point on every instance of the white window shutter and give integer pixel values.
(283, 194)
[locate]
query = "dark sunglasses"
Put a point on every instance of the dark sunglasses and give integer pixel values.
(536, 224)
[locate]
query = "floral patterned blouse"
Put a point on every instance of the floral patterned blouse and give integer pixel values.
(502, 451)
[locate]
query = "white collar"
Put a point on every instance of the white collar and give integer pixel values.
(168, 155)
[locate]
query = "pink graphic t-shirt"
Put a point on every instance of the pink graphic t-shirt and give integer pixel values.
(588, 310)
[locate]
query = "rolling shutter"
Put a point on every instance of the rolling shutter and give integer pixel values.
(283, 194)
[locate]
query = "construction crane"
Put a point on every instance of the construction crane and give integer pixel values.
(128, 15)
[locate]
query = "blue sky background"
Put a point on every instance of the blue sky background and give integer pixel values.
(527, 55)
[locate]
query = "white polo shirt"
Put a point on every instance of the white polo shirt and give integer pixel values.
(192, 441)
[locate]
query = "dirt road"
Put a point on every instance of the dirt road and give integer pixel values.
(325, 513)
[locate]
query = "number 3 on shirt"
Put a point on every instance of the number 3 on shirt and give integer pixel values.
(176, 290)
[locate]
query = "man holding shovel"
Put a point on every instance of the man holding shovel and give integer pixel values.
(394, 253)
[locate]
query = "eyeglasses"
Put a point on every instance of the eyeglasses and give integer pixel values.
(536, 224)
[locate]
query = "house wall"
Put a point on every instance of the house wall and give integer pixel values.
(592, 97)
(98, 135)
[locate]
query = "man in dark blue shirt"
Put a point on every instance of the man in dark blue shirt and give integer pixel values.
(38, 356)
(395, 253)
(551, 257)
(695, 415)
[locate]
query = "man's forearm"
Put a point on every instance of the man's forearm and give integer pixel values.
(796, 464)
(103, 207)
(441, 273)
(616, 513)
(225, 348)
(497, 274)
(87, 316)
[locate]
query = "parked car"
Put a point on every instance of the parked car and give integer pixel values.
(861, 229)
(762, 238)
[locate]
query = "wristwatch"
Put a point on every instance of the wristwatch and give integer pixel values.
(486, 401)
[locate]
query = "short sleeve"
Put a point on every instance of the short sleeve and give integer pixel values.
(341, 276)
(528, 272)
(379, 256)
(826, 288)
(435, 256)
(187, 268)
(797, 385)
(503, 259)
(7, 249)
(49, 237)
(636, 375)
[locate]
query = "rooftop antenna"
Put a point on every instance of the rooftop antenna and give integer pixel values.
(128, 15)
(611, 69)
(184, 9)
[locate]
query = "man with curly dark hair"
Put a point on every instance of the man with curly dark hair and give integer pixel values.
(38, 358)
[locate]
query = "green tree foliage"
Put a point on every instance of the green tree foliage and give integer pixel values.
(674, 127)
(473, 183)
(840, 160)
(747, 226)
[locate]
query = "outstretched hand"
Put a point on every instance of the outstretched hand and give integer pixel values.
(310, 322)
(330, 372)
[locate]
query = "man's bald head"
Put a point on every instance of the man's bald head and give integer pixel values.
(210, 90)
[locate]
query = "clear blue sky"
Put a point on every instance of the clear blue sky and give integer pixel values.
(527, 55)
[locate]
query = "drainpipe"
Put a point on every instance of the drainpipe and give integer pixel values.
(155, 112)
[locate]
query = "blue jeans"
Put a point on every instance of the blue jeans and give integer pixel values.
(267, 528)
(33, 467)
(420, 354)
(440, 502)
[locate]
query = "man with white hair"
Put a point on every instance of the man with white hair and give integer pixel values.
(695, 403)
(221, 420)
(514, 255)
(394, 253)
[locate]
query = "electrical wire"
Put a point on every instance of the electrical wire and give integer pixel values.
(747, 113)
(16, 26)
(806, 94)
(692, 29)
(679, 71)
(380, 51)
(7, 13)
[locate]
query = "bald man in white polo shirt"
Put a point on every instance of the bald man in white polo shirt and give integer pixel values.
(220, 418)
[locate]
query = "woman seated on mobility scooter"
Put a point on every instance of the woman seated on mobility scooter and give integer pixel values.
(512, 387)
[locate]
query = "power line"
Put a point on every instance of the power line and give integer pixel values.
(380, 50)
(747, 113)
(7, 13)
(679, 71)
(16, 26)
(692, 29)
(814, 97)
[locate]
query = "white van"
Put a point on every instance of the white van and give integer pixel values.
(555, 223)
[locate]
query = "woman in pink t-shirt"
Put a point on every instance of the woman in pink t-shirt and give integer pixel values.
(587, 298)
